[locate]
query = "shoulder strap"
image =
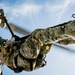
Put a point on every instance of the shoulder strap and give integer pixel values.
(30, 60)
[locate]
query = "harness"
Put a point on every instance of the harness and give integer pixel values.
(40, 56)
(30, 60)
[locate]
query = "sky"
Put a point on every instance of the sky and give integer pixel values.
(33, 14)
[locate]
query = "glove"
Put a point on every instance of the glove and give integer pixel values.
(2, 41)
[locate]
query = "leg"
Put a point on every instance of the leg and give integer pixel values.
(56, 33)
(66, 41)
(31, 47)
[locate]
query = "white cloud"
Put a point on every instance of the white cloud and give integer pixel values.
(22, 10)
(26, 10)
(59, 9)
(72, 1)
(4, 7)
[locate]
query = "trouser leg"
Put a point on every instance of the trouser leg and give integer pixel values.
(31, 47)
(56, 33)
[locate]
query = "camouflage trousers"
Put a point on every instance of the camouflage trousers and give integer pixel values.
(39, 42)
(63, 33)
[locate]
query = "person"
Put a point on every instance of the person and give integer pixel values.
(29, 53)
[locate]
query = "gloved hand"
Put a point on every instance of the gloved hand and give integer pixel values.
(2, 41)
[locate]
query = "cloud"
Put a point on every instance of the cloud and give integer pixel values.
(28, 9)
(59, 9)
(4, 6)
(21, 9)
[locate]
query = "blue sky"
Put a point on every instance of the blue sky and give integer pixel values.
(33, 14)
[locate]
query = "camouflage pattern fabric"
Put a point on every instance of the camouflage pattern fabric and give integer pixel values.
(39, 42)
(31, 47)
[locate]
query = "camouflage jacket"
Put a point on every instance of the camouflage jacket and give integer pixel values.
(39, 42)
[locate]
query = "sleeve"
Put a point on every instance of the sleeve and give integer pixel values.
(67, 41)
(31, 47)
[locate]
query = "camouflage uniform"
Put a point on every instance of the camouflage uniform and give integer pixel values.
(39, 42)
